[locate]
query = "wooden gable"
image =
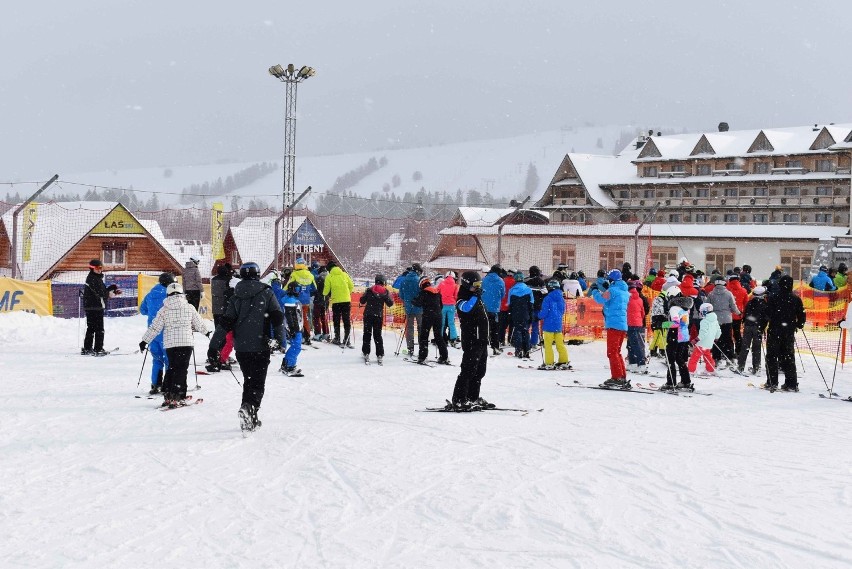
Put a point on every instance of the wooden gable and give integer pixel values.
(761, 144)
(823, 140)
(565, 171)
(650, 150)
(703, 146)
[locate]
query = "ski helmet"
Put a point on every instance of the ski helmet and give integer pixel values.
(553, 284)
(581, 274)
(293, 287)
(614, 275)
(380, 279)
(174, 288)
(250, 271)
(705, 308)
(425, 281)
(469, 279)
(166, 279)
(519, 276)
(535, 271)
(673, 291)
(574, 277)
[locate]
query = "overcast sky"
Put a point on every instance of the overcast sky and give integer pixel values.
(102, 84)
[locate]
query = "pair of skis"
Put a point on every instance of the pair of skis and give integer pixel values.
(449, 409)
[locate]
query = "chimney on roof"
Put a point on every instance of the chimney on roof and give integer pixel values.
(723, 127)
(650, 133)
(815, 128)
(659, 133)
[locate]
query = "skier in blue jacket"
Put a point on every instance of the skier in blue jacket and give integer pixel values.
(409, 289)
(614, 301)
(822, 281)
(493, 291)
(151, 304)
(288, 299)
(552, 312)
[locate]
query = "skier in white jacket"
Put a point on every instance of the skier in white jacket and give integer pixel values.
(177, 319)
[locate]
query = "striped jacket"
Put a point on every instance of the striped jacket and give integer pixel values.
(176, 319)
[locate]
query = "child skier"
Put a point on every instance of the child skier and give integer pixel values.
(754, 325)
(552, 312)
(521, 302)
(677, 340)
(292, 308)
(375, 298)
(429, 299)
(177, 320)
(636, 330)
(708, 332)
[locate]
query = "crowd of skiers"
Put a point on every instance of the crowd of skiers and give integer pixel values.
(718, 319)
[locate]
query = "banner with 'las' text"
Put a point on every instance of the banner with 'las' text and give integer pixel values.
(26, 296)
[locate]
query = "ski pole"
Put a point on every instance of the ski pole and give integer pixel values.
(139, 381)
(235, 377)
(195, 369)
(79, 303)
(401, 335)
(836, 357)
(815, 361)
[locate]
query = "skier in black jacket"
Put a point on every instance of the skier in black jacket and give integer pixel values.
(754, 325)
(429, 299)
(785, 314)
(539, 288)
(375, 298)
(251, 312)
(474, 339)
(95, 295)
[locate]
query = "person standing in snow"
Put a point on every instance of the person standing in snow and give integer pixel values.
(840, 277)
(677, 341)
(320, 312)
(521, 302)
(151, 304)
(754, 325)
(339, 286)
(659, 314)
(493, 291)
(251, 313)
(505, 321)
(708, 332)
(473, 321)
(741, 298)
(177, 320)
(192, 282)
(539, 289)
(448, 290)
(288, 299)
(308, 286)
(408, 285)
(614, 300)
(552, 313)
(724, 306)
(429, 300)
(636, 312)
(95, 296)
(785, 314)
(571, 286)
(374, 301)
(220, 292)
(821, 281)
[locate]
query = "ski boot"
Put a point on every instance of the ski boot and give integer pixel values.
(789, 388)
(546, 367)
(86, 352)
(155, 389)
(379, 360)
(366, 358)
(444, 361)
(213, 365)
(617, 383)
(480, 404)
(248, 418)
(564, 367)
(685, 386)
(667, 387)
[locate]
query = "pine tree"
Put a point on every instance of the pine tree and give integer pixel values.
(532, 181)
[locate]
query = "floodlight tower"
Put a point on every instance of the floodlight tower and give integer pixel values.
(291, 77)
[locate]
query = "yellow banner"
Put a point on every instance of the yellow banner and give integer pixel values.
(147, 282)
(217, 227)
(30, 214)
(26, 296)
(118, 221)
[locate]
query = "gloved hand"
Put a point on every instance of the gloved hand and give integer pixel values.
(143, 346)
(208, 333)
(112, 287)
(667, 324)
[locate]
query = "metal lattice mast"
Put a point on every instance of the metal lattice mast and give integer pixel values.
(291, 78)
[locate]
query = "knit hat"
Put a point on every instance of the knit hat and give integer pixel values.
(95, 263)
(519, 276)
(653, 271)
(300, 261)
(614, 275)
(424, 282)
(759, 291)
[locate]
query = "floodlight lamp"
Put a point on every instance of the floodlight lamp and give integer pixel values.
(303, 71)
(291, 69)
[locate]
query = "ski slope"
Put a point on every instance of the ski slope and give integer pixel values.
(345, 473)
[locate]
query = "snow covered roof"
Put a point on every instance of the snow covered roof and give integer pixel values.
(734, 143)
(454, 262)
(57, 229)
(661, 231)
(483, 216)
(388, 253)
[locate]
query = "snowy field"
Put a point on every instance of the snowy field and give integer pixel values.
(345, 473)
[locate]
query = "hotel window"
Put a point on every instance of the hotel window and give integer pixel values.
(705, 169)
(791, 217)
(675, 193)
(674, 218)
(564, 254)
(702, 192)
(732, 166)
(823, 218)
(760, 192)
(722, 259)
(759, 218)
(624, 194)
(791, 191)
(731, 192)
(793, 164)
(649, 172)
(664, 256)
(760, 168)
(797, 264)
(823, 191)
(678, 168)
(611, 256)
(732, 218)
(825, 165)
(649, 194)
(702, 218)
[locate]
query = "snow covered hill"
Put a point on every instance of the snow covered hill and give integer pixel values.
(345, 473)
(497, 166)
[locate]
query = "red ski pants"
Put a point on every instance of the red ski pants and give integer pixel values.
(614, 340)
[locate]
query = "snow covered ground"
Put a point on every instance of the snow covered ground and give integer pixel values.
(345, 473)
